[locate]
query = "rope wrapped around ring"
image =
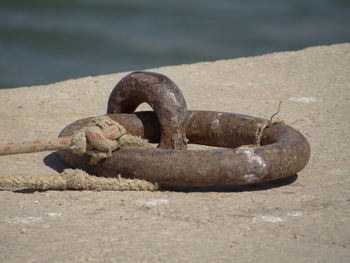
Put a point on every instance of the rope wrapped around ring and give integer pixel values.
(98, 139)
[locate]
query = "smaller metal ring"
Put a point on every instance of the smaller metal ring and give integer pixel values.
(162, 95)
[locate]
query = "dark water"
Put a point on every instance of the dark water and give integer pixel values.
(43, 41)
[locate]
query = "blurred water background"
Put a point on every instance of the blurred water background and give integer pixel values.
(44, 41)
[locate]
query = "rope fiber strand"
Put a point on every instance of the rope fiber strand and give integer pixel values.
(260, 131)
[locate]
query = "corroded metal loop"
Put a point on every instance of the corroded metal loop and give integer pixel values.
(162, 95)
(284, 151)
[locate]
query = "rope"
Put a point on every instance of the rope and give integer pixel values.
(99, 138)
(74, 179)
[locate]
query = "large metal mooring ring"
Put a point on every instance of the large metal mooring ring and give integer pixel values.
(284, 150)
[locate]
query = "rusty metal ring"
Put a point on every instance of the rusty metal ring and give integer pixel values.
(284, 151)
(162, 95)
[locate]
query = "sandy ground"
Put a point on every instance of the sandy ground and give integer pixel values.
(307, 220)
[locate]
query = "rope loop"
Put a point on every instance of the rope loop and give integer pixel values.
(98, 139)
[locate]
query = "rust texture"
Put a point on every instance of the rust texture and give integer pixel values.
(162, 95)
(283, 151)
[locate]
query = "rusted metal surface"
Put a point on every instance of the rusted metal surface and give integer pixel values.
(162, 95)
(284, 150)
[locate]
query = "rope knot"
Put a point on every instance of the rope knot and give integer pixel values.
(100, 137)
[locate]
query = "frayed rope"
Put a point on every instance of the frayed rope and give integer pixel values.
(74, 179)
(260, 131)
